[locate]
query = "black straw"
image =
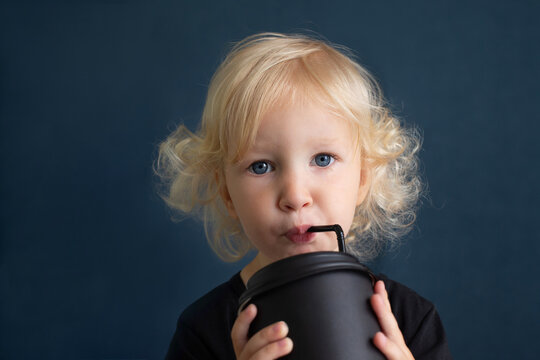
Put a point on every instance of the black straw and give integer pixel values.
(335, 228)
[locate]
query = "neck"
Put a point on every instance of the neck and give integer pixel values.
(255, 265)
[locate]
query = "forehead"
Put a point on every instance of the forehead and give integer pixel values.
(304, 116)
(302, 125)
(289, 85)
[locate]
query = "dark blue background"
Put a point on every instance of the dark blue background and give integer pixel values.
(93, 268)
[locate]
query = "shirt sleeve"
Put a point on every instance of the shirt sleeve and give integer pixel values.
(429, 340)
(419, 322)
(185, 344)
(204, 327)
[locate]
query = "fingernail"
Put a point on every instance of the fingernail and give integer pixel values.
(251, 309)
(384, 339)
(285, 343)
(381, 338)
(280, 328)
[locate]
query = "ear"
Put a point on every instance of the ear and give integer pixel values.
(224, 193)
(365, 183)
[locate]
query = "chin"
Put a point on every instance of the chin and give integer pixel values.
(304, 249)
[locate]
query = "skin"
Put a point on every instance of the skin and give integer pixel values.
(303, 169)
(390, 340)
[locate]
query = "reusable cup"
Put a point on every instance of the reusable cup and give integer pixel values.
(324, 299)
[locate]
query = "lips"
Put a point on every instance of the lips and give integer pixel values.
(299, 234)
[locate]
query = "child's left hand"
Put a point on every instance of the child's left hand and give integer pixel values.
(390, 340)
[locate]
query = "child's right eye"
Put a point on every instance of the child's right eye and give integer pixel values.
(260, 167)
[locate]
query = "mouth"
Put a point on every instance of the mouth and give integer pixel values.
(300, 235)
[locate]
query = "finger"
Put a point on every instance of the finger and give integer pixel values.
(259, 343)
(383, 311)
(239, 332)
(390, 341)
(390, 349)
(380, 289)
(386, 319)
(274, 350)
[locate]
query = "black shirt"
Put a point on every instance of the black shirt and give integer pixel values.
(204, 328)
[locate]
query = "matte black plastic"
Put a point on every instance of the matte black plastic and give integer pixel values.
(324, 299)
(335, 228)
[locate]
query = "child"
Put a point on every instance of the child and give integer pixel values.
(295, 133)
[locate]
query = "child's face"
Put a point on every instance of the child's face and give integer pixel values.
(303, 169)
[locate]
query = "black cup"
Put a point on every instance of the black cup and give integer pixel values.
(324, 299)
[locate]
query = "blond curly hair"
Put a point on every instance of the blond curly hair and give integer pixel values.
(258, 73)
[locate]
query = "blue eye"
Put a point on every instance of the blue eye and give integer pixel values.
(323, 160)
(260, 167)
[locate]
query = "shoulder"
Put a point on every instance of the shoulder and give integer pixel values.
(408, 307)
(219, 300)
(203, 328)
(418, 320)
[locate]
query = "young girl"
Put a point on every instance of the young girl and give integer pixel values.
(295, 133)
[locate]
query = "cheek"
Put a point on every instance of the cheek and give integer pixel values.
(249, 200)
(346, 218)
(345, 203)
(251, 209)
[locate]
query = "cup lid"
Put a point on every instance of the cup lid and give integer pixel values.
(297, 267)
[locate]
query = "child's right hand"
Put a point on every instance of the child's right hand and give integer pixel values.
(269, 343)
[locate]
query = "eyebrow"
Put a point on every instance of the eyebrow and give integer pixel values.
(329, 140)
(263, 146)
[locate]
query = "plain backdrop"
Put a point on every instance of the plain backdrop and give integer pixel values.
(91, 265)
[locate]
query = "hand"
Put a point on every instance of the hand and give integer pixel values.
(269, 343)
(390, 340)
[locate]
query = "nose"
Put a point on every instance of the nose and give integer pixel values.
(295, 193)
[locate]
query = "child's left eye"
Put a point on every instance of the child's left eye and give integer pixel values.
(323, 160)
(260, 167)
